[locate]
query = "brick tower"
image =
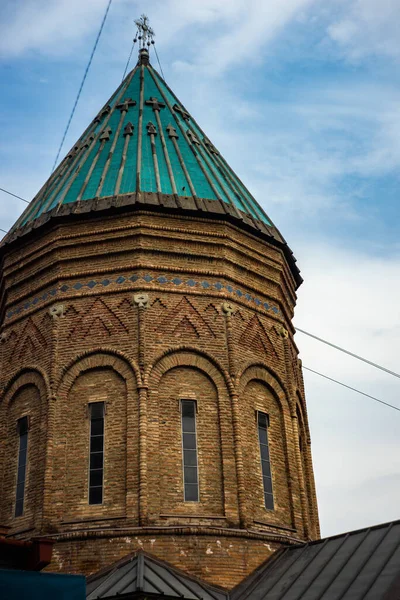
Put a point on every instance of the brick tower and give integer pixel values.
(151, 394)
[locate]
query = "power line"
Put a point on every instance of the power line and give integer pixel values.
(3, 230)
(81, 86)
(352, 388)
(159, 64)
(369, 362)
(129, 58)
(15, 195)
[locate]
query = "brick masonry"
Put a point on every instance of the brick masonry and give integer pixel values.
(140, 311)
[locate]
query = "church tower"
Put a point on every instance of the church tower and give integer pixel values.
(151, 395)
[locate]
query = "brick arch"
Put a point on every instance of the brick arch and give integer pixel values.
(260, 372)
(37, 406)
(263, 373)
(303, 418)
(94, 359)
(24, 377)
(212, 384)
(187, 356)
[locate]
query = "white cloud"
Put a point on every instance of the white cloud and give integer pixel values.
(48, 26)
(370, 27)
(351, 299)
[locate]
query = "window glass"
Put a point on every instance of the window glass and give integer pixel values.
(22, 429)
(96, 460)
(263, 423)
(189, 445)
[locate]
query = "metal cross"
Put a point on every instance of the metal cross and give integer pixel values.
(128, 129)
(124, 106)
(146, 34)
(103, 113)
(155, 104)
(151, 130)
(172, 132)
(192, 137)
(209, 145)
(182, 112)
(105, 135)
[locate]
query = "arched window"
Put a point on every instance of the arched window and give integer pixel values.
(22, 429)
(189, 445)
(96, 461)
(263, 423)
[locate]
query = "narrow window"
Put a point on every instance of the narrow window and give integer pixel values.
(189, 444)
(22, 428)
(263, 422)
(96, 452)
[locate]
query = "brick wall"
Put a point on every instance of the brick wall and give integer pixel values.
(141, 311)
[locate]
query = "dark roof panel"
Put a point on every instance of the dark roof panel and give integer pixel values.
(142, 573)
(360, 565)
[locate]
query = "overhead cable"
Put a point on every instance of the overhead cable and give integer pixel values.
(352, 388)
(158, 60)
(129, 58)
(15, 195)
(369, 362)
(82, 84)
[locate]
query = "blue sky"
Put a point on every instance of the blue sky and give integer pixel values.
(302, 98)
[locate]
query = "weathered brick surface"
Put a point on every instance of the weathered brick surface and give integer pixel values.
(215, 326)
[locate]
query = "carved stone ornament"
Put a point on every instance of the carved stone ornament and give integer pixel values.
(57, 311)
(3, 337)
(282, 332)
(299, 363)
(228, 309)
(141, 300)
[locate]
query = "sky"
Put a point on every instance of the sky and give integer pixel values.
(302, 98)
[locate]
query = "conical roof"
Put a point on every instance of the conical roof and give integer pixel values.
(145, 148)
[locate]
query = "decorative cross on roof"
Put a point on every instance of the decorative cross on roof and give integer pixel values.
(125, 104)
(209, 145)
(145, 33)
(151, 130)
(182, 112)
(172, 132)
(105, 135)
(192, 137)
(155, 104)
(128, 129)
(103, 113)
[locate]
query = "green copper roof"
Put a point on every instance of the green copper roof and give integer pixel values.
(143, 140)
(144, 149)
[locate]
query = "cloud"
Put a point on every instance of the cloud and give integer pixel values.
(53, 27)
(370, 27)
(351, 299)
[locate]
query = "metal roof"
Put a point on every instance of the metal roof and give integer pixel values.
(141, 573)
(145, 150)
(144, 140)
(360, 565)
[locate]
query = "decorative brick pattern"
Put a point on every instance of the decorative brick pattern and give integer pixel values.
(156, 309)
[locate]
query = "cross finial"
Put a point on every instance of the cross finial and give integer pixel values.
(145, 33)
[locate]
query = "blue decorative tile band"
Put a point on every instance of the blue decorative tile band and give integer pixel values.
(120, 280)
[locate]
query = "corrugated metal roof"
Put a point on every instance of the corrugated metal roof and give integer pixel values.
(142, 573)
(360, 565)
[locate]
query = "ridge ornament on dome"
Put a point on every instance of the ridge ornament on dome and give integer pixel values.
(126, 104)
(155, 104)
(185, 115)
